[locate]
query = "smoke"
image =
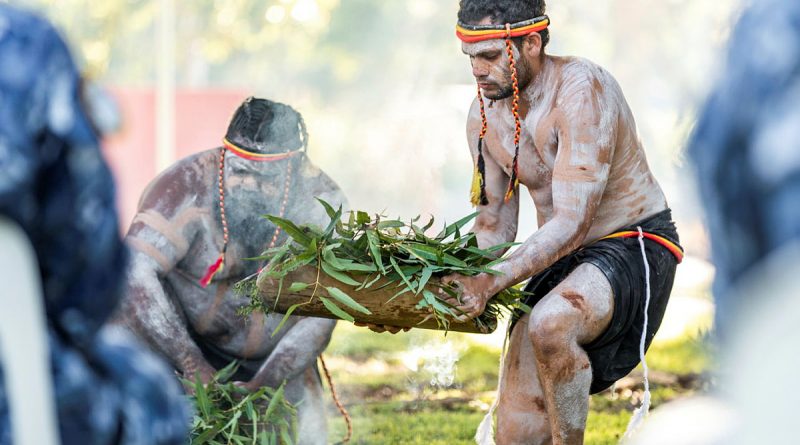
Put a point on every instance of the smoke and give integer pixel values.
(385, 89)
(434, 362)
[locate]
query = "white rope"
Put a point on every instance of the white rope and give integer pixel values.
(640, 413)
(485, 432)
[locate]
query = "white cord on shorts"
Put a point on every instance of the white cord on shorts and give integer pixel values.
(640, 413)
(485, 433)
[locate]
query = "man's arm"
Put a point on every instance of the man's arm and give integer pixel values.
(297, 351)
(157, 246)
(496, 222)
(586, 127)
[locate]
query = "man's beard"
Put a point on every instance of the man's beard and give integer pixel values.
(507, 90)
(504, 93)
(245, 208)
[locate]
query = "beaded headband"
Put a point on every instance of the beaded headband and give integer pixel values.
(478, 33)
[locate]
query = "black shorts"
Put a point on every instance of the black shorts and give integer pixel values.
(616, 352)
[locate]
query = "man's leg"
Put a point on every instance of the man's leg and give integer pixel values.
(574, 313)
(521, 412)
(305, 391)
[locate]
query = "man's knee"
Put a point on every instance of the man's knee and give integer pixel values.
(528, 425)
(551, 329)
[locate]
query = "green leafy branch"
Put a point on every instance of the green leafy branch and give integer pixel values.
(228, 414)
(360, 250)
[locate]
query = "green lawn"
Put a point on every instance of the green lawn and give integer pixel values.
(402, 389)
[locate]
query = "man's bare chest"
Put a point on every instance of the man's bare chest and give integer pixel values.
(538, 146)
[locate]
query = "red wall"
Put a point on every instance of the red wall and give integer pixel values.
(201, 119)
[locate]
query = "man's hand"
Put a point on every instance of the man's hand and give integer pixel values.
(192, 372)
(380, 328)
(250, 386)
(203, 370)
(473, 291)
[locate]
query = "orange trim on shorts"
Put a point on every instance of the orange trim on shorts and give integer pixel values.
(669, 245)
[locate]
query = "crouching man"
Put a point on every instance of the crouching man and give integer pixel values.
(196, 225)
(601, 265)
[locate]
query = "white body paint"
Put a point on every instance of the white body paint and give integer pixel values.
(585, 169)
(177, 234)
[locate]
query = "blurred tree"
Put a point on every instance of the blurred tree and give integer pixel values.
(385, 83)
(330, 46)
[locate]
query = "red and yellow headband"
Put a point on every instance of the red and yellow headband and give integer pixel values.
(253, 156)
(478, 33)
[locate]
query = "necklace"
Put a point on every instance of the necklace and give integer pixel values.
(257, 157)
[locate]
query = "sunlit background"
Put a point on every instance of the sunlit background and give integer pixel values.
(384, 89)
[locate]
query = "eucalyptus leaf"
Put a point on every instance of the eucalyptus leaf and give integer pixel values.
(336, 310)
(285, 318)
(291, 229)
(423, 280)
(390, 224)
(345, 299)
(456, 226)
(333, 273)
(400, 272)
(329, 209)
(428, 225)
(372, 237)
(273, 404)
(297, 287)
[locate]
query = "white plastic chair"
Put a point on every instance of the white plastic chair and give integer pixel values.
(23, 341)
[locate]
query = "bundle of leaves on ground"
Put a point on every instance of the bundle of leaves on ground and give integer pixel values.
(228, 414)
(360, 251)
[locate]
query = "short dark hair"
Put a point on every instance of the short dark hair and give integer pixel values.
(502, 11)
(265, 126)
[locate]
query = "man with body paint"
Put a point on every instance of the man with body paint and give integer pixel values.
(561, 127)
(207, 209)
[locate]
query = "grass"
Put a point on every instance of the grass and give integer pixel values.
(402, 423)
(690, 354)
(385, 382)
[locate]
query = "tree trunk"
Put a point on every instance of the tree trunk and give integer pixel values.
(400, 311)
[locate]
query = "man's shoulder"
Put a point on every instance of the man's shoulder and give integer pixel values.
(194, 167)
(315, 176)
(577, 62)
(315, 182)
(575, 69)
(578, 76)
(188, 176)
